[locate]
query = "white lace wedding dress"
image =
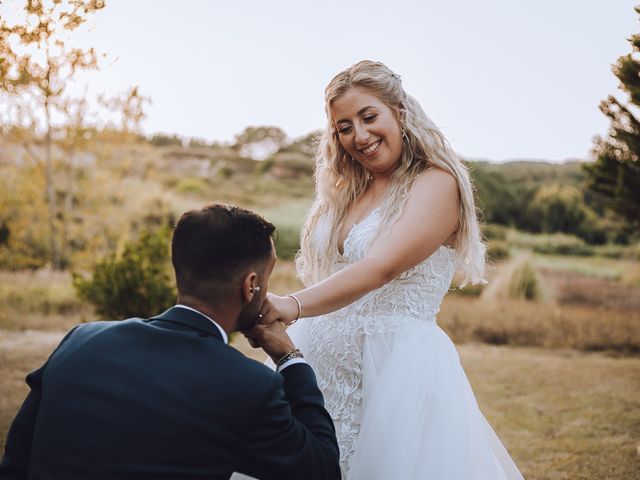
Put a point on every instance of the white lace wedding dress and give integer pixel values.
(392, 380)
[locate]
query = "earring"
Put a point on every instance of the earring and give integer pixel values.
(255, 289)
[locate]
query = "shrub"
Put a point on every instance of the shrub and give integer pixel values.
(550, 244)
(563, 245)
(135, 283)
(492, 231)
(287, 241)
(225, 172)
(194, 186)
(498, 250)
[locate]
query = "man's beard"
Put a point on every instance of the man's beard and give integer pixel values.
(248, 316)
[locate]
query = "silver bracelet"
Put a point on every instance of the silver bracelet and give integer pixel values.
(299, 309)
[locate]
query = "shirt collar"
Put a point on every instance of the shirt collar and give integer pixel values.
(225, 337)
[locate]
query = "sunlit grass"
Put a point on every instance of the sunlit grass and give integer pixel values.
(561, 414)
(625, 271)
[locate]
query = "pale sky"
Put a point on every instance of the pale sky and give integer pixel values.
(504, 79)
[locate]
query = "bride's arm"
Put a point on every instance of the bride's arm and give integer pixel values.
(429, 218)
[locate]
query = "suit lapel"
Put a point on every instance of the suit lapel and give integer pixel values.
(189, 318)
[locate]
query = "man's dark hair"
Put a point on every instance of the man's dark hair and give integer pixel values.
(212, 247)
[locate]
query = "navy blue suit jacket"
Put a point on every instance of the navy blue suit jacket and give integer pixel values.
(167, 398)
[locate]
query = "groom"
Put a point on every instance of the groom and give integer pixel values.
(167, 397)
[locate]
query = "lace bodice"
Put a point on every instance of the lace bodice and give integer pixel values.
(336, 340)
(414, 295)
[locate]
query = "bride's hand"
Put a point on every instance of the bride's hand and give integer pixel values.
(278, 309)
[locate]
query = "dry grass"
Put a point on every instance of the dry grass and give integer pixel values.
(41, 299)
(582, 303)
(523, 323)
(561, 414)
(46, 300)
(572, 288)
(582, 312)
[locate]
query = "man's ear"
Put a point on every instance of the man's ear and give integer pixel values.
(250, 286)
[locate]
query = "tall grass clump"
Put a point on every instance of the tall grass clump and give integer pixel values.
(525, 283)
(515, 279)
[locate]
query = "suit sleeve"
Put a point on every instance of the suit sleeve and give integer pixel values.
(17, 451)
(293, 435)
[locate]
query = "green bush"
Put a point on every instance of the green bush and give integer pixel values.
(194, 186)
(558, 208)
(287, 241)
(493, 231)
(134, 284)
(225, 172)
(612, 250)
(498, 250)
(592, 229)
(550, 244)
(564, 245)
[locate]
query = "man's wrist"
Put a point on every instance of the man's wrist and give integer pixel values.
(276, 353)
(287, 357)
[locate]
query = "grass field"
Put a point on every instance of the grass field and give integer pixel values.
(559, 379)
(561, 414)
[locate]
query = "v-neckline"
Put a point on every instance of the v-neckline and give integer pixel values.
(346, 239)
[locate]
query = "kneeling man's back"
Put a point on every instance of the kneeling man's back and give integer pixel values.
(167, 397)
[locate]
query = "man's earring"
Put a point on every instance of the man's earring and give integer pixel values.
(255, 289)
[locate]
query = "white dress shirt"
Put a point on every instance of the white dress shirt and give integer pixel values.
(225, 337)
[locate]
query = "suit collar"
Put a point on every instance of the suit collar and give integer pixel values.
(193, 319)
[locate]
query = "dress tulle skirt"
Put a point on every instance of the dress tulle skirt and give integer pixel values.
(420, 418)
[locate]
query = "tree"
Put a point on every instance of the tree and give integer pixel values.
(36, 66)
(615, 173)
(130, 106)
(557, 208)
(260, 142)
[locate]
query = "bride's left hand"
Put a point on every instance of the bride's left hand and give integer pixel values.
(278, 309)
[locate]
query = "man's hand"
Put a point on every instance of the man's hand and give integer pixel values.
(272, 338)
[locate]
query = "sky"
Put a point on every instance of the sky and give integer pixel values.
(503, 79)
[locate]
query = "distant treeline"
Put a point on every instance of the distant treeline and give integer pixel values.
(533, 196)
(261, 169)
(543, 197)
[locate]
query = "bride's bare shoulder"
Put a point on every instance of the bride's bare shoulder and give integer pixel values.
(437, 185)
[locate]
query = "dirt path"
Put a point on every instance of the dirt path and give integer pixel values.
(28, 339)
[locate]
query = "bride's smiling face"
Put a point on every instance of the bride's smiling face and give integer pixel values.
(368, 130)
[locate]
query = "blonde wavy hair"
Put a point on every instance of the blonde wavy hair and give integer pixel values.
(340, 180)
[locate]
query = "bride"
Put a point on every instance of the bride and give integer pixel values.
(393, 220)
